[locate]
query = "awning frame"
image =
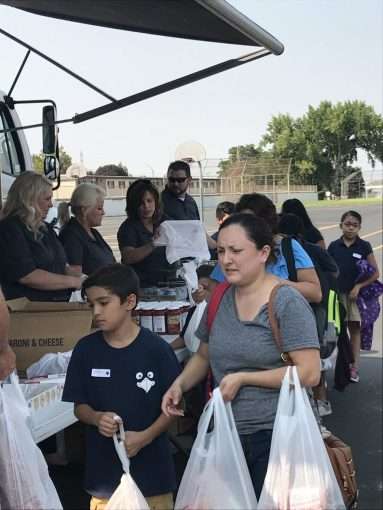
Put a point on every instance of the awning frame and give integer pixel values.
(266, 45)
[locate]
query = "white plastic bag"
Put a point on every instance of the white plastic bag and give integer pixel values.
(216, 476)
(183, 238)
(299, 474)
(191, 340)
(76, 297)
(51, 363)
(127, 496)
(24, 479)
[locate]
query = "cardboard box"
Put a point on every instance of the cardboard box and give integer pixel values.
(38, 328)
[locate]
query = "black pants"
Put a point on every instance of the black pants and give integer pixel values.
(256, 448)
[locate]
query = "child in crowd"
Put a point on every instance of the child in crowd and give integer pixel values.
(346, 251)
(223, 211)
(122, 370)
(205, 287)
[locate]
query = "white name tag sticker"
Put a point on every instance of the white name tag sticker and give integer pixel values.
(101, 372)
(357, 255)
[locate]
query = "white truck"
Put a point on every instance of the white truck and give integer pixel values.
(206, 20)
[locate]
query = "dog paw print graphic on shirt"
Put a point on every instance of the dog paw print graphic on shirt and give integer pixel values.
(147, 382)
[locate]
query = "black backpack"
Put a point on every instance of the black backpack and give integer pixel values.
(326, 312)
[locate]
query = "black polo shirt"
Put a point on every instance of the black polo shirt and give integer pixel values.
(21, 253)
(83, 250)
(177, 208)
(130, 382)
(152, 269)
(346, 258)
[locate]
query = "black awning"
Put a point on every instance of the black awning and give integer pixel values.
(206, 20)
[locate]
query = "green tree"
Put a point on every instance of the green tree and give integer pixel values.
(38, 162)
(65, 161)
(112, 169)
(237, 153)
(323, 143)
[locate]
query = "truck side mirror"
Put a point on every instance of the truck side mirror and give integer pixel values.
(50, 143)
(51, 169)
(49, 130)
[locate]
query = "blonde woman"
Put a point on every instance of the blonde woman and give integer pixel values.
(32, 260)
(85, 247)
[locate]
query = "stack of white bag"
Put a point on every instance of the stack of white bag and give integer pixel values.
(127, 496)
(183, 238)
(216, 476)
(299, 474)
(50, 363)
(24, 478)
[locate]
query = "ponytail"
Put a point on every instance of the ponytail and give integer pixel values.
(63, 215)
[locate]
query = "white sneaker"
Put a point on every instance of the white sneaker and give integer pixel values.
(354, 375)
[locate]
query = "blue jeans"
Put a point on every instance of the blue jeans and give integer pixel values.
(256, 448)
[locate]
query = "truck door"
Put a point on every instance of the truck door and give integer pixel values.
(11, 155)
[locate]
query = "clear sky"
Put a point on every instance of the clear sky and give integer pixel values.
(333, 51)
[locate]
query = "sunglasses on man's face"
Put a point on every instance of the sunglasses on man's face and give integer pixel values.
(180, 180)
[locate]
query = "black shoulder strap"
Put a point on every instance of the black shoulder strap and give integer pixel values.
(287, 252)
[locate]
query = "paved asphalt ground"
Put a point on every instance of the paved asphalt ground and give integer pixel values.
(357, 412)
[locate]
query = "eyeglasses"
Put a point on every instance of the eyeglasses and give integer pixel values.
(180, 180)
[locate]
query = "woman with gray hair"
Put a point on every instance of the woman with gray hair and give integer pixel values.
(33, 263)
(85, 247)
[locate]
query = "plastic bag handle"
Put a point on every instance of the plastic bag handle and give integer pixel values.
(301, 397)
(119, 444)
(220, 410)
(206, 416)
(219, 402)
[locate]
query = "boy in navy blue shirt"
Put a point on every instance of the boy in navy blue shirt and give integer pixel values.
(122, 370)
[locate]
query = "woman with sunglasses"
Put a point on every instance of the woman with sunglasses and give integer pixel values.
(135, 235)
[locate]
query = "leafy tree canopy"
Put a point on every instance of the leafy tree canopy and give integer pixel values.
(65, 161)
(112, 169)
(323, 143)
(237, 153)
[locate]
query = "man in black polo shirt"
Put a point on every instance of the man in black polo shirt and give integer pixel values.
(176, 202)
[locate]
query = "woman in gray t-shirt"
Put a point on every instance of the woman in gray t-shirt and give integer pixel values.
(240, 347)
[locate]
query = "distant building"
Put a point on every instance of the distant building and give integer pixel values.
(77, 170)
(116, 186)
(375, 188)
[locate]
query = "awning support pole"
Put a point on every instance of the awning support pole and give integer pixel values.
(57, 64)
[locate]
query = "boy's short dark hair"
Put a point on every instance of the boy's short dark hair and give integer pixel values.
(179, 164)
(118, 279)
(224, 208)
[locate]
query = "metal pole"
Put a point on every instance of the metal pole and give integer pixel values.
(19, 72)
(288, 179)
(57, 64)
(274, 188)
(200, 189)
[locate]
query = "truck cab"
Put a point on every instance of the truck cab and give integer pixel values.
(15, 157)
